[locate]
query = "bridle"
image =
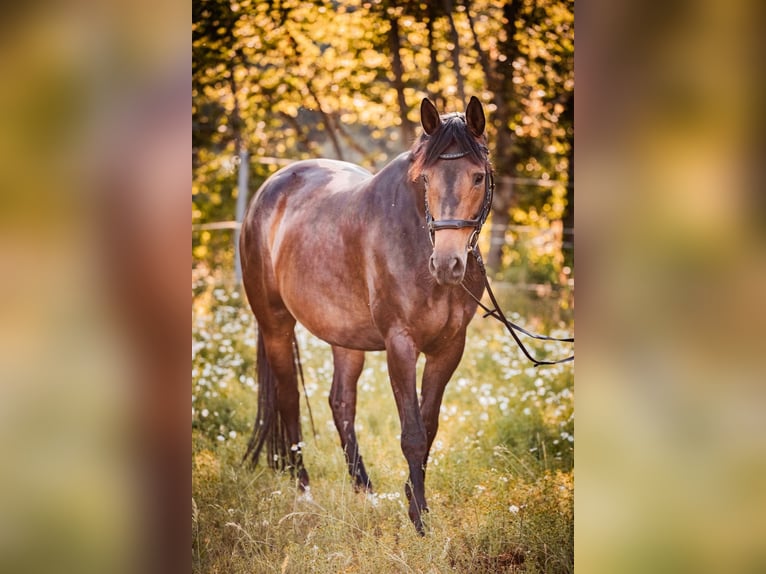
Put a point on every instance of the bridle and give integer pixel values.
(477, 222)
(495, 312)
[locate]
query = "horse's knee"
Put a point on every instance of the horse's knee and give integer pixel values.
(337, 405)
(414, 446)
(334, 404)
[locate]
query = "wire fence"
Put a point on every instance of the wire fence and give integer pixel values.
(283, 161)
(543, 235)
(221, 225)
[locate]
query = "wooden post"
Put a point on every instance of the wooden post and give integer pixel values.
(242, 193)
(501, 218)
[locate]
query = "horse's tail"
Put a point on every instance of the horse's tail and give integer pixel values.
(269, 428)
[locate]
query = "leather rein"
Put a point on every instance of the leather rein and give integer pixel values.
(477, 223)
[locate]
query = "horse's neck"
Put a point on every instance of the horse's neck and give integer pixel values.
(393, 182)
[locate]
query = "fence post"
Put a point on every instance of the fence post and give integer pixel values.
(242, 193)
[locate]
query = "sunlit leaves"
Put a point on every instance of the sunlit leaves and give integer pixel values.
(277, 77)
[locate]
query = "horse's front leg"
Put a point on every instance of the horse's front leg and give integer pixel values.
(402, 355)
(439, 368)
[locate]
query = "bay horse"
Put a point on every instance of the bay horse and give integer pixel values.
(368, 263)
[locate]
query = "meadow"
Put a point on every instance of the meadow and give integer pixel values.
(500, 479)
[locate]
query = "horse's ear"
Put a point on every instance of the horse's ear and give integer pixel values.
(474, 117)
(429, 116)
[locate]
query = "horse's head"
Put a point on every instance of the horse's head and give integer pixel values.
(451, 158)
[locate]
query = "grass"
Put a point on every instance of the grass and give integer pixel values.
(499, 482)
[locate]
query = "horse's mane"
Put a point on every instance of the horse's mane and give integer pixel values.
(452, 131)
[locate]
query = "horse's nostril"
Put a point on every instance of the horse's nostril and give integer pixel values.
(456, 266)
(447, 270)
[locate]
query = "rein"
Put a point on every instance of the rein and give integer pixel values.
(497, 313)
(477, 223)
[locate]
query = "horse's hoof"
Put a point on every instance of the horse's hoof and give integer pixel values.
(303, 480)
(418, 523)
(362, 486)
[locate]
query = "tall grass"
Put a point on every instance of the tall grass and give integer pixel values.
(499, 481)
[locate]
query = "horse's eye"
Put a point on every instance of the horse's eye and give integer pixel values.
(425, 179)
(478, 178)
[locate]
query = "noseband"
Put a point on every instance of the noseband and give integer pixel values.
(478, 221)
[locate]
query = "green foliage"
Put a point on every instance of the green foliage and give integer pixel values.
(297, 79)
(535, 257)
(500, 475)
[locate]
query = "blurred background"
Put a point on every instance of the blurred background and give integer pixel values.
(670, 405)
(94, 188)
(95, 172)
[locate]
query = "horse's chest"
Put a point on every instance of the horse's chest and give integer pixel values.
(441, 321)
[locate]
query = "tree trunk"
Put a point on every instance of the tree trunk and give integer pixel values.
(455, 39)
(407, 128)
(433, 64)
(500, 82)
(329, 122)
(568, 219)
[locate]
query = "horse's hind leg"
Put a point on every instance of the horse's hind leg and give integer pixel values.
(278, 344)
(348, 367)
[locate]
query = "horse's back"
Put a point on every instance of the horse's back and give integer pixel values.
(300, 237)
(309, 178)
(295, 193)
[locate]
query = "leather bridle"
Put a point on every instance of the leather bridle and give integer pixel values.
(477, 222)
(495, 312)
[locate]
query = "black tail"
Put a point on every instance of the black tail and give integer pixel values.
(269, 428)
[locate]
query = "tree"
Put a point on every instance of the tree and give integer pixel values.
(292, 79)
(529, 72)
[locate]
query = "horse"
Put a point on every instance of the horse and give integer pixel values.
(368, 263)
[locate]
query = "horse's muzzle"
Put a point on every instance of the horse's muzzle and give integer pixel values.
(447, 269)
